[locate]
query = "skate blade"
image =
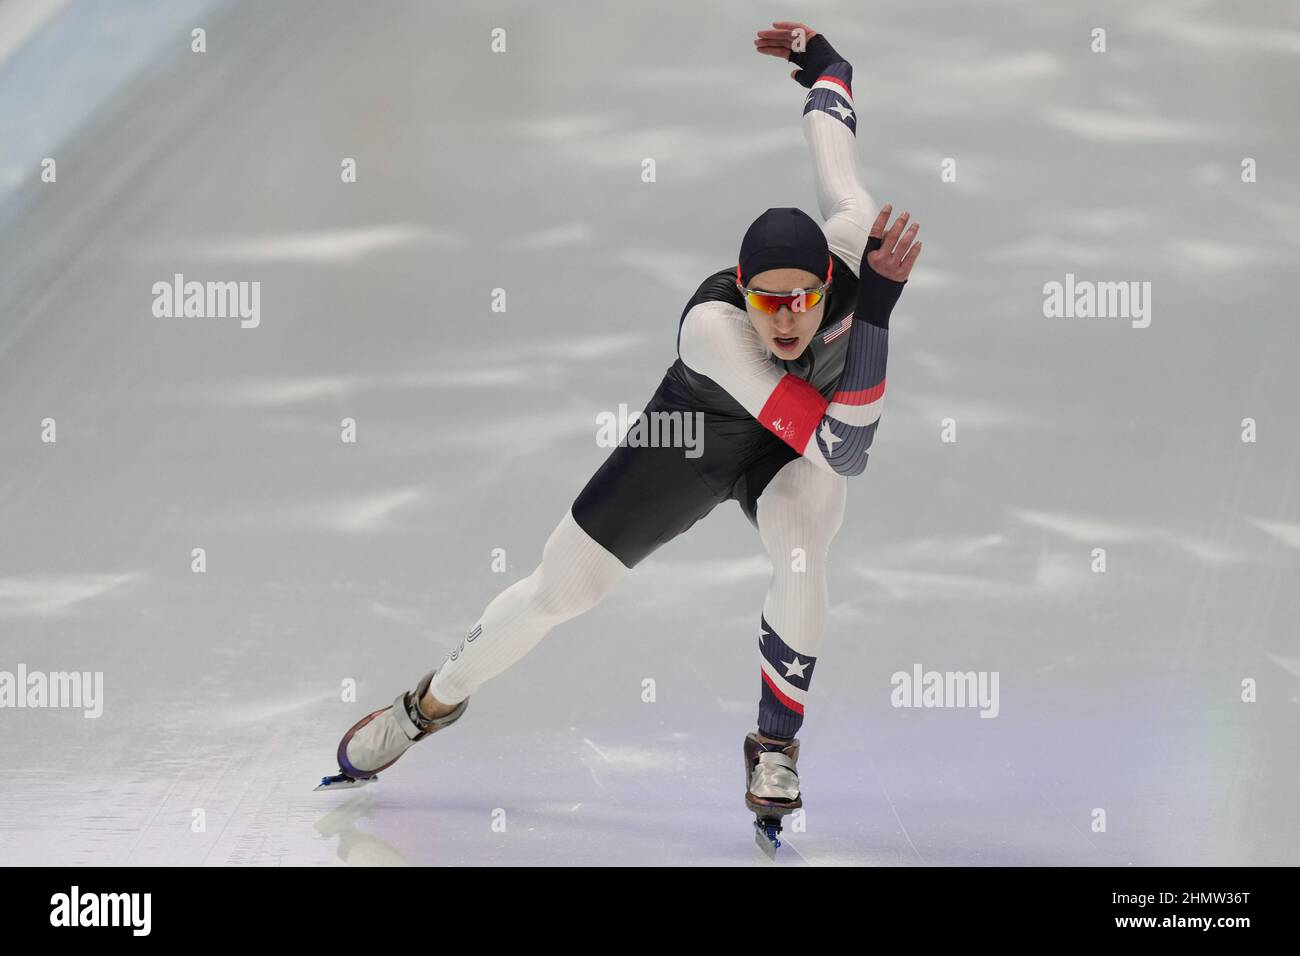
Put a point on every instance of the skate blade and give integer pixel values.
(767, 835)
(341, 781)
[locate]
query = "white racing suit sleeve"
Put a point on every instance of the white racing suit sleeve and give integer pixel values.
(830, 126)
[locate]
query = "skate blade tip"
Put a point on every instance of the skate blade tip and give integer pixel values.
(341, 781)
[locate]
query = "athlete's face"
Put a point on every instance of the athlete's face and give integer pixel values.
(787, 333)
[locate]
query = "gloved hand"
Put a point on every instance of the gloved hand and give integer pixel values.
(886, 265)
(817, 53)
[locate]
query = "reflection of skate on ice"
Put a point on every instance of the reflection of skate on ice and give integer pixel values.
(376, 741)
(771, 787)
(356, 847)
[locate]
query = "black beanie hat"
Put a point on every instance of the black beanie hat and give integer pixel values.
(784, 238)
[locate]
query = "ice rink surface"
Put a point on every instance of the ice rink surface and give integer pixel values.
(327, 561)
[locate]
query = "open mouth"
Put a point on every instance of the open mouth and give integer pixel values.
(787, 342)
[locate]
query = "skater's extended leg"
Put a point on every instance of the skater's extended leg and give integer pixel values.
(798, 514)
(574, 575)
(639, 499)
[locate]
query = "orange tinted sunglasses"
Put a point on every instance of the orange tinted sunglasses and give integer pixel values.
(796, 300)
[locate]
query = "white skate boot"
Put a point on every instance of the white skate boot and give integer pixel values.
(376, 741)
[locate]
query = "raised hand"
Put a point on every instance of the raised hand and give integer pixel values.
(892, 252)
(779, 40)
(792, 41)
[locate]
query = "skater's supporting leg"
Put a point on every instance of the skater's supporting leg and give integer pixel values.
(574, 575)
(798, 514)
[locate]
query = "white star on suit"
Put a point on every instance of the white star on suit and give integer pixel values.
(795, 667)
(829, 437)
(843, 110)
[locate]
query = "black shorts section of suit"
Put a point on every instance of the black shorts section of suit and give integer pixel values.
(643, 497)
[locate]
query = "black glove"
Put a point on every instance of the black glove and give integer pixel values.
(876, 294)
(818, 54)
